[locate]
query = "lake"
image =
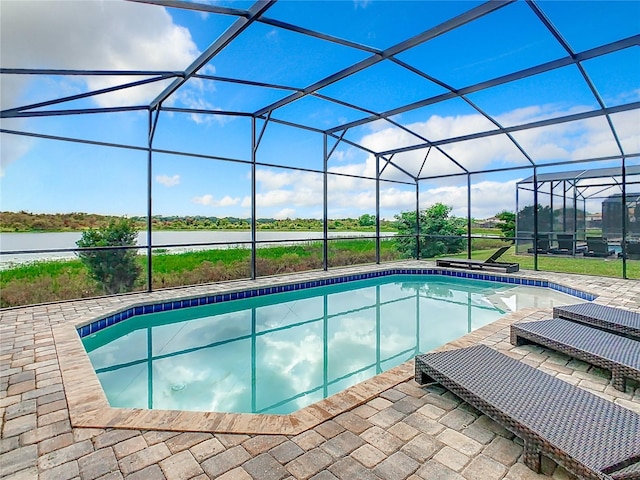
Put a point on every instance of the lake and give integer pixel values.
(174, 241)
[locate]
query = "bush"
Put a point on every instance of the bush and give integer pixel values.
(116, 270)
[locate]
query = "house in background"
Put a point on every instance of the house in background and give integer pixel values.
(594, 220)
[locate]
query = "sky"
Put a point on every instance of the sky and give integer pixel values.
(48, 176)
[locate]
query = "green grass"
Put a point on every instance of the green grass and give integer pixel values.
(553, 263)
(32, 270)
(273, 253)
(171, 263)
(485, 231)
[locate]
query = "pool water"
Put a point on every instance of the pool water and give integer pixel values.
(281, 352)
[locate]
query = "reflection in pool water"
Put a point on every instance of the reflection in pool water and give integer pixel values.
(278, 353)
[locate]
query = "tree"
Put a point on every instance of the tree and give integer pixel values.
(507, 224)
(116, 270)
(367, 220)
(445, 234)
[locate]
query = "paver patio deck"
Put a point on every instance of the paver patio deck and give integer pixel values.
(399, 431)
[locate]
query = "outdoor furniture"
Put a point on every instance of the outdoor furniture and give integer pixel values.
(567, 245)
(598, 247)
(632, 250)
(542, 242)
(481, 264)
(620, 355)
(588, 435)
(616, 320)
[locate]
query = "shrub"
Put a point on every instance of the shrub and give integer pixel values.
(116, 270)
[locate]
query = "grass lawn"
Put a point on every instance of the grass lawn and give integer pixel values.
(605, 267)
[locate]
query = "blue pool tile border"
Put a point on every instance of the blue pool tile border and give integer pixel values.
(166, 306)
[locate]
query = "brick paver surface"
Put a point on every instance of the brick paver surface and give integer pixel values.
(406, 432)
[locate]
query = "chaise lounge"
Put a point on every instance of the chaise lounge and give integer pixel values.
(588, 435)
(616, 320)
(598, 247)
(542, 242)
(490, 262)
(567, 245)
(620, 355)
(632, 250)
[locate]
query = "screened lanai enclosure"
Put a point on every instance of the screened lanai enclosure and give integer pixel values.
(564, 201)
(248, 139)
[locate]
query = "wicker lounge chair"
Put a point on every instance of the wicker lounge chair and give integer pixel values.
(588, 435)
(616, 320)
(632, 250)
(620, 355)
(543, 243)
(598, 247)
(567, 245)
(490, 262)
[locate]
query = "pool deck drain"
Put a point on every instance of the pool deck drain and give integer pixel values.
(56, 422)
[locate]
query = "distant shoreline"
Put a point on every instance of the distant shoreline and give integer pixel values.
(26, 222)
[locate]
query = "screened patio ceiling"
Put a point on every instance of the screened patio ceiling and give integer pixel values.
(355, 72)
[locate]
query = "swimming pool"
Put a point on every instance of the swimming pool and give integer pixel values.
(279, 352)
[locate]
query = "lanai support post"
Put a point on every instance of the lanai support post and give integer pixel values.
(254, 147)
(152, 130)
(325, 209)
(551, 222)
(517, 232)
(417, 220)
(575, 215)
(535, 218)
(468, 215)
(378, 209)
(625, 215)
(564, 207)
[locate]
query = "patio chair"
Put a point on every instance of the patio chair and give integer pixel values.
(611, 319)
(598, 247)
(490, 262)
(542, 242)
(620, 355)
(567, 245)
(632, 250)
(586, 434)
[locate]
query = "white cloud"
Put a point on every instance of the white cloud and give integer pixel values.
(13, 147)
(535, 113)
(168, 181)
(270, 180)
(565, 141)
(272, 34)
(627, 126)
(487, 198)
(288, 188)
(95, 34)
(89, 34)
(361, 4)
(285, 213)
(292, 191)
(590, 138)
(210, 201)
(349, 196)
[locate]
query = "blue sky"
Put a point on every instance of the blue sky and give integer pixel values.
(41, 175)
